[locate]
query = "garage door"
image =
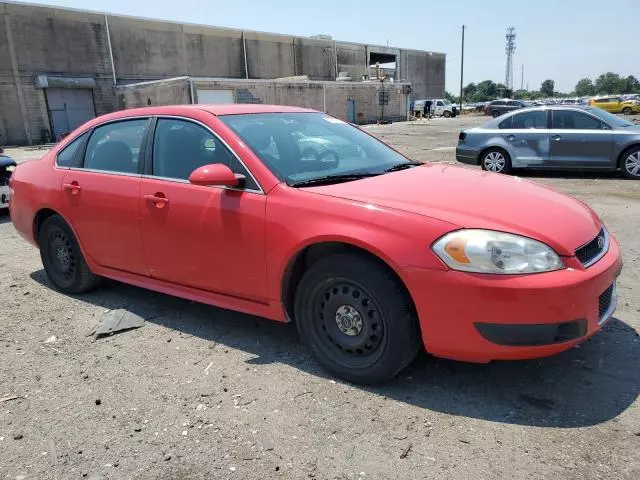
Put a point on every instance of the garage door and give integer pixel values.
(215, 96)
(69, 108)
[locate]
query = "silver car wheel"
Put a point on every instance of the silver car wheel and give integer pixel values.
(632, 164)
(494, 162)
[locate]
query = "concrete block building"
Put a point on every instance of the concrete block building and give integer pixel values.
(60, 67)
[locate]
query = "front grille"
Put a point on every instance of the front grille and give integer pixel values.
(588, 254)
(604, 302)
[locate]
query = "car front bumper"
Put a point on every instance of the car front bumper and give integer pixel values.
(466, 155)
(479, 317)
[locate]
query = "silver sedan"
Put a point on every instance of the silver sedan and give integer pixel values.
(554, 137)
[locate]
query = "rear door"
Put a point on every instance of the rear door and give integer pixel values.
(210, 238)
(580, 139)
(101, 195)
(527, 137)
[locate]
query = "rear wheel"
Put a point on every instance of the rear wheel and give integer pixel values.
(356, 318)
(631, 163)
(62, 258)
(495, 113)
(496, 160)
(627, 111)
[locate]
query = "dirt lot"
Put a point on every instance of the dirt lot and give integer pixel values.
(200, 393)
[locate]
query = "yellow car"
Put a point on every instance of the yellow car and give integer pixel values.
(616, 105)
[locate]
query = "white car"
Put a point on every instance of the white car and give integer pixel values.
(7, 165)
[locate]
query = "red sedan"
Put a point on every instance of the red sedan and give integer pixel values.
(294, 215)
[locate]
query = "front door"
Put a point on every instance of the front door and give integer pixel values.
(209, 238)
(526, 135)
(580, 139)
(102, 196)
(439, 107)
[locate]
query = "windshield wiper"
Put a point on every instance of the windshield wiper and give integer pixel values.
(329, 179)
(402, 166)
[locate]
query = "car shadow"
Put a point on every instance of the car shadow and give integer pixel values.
(584, 386)
(4, 216)
(568, 174)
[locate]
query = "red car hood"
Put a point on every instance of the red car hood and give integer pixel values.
(475, 199)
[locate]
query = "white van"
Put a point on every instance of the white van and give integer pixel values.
(440, 107)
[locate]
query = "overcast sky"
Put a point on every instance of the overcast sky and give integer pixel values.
(564, 40)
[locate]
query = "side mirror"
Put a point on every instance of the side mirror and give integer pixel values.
(215, 174)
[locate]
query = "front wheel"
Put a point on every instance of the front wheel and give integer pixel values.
(62, 258)
(495, 114)
(631, 163)
(446, 114)
(356, 318)
(627, 111)
(496, 160)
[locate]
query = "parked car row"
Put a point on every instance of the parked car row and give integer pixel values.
(555, 137)
(627, 105)
(7, 165)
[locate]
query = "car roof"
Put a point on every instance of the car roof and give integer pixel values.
(6, 161)
(222, 109)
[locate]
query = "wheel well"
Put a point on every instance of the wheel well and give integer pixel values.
(308, 256)
(39, 219)
(624, 152)
(481, 154)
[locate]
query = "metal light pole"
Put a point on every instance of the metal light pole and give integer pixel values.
(461, 69)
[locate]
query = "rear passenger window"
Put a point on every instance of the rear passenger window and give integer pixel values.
(532, 119)
(570, 120)
(115, 147)
(181, 146)
(68, 154)
(506, 123)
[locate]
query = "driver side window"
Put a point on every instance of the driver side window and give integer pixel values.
(180, 146)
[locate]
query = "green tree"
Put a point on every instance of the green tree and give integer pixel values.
(585, 88)
(451, 97)
(609, 83)
(630, 85)
(469, 91)
(547, 88)
(486, 90)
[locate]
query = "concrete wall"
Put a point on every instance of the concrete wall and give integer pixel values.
(331, 97)
(427, 74)
(38, 40)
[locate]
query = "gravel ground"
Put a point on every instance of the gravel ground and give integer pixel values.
(201, 393)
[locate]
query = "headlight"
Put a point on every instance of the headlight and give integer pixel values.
(486, 251)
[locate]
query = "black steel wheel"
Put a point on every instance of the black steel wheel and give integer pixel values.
(357, 319)
(62, 258)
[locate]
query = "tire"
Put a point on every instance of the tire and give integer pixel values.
(357, 319)
(630, 163)
(496, 160)
(627, 111)
(62, 258)
(495, 113)
(446, 114)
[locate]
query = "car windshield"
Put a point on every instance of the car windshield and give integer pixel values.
(447, 102)
(609, 117)
(301, 147)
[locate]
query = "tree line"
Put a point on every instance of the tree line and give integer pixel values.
(605, 84)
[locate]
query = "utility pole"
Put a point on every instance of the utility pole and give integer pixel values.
(461, 70)
(522, 77)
